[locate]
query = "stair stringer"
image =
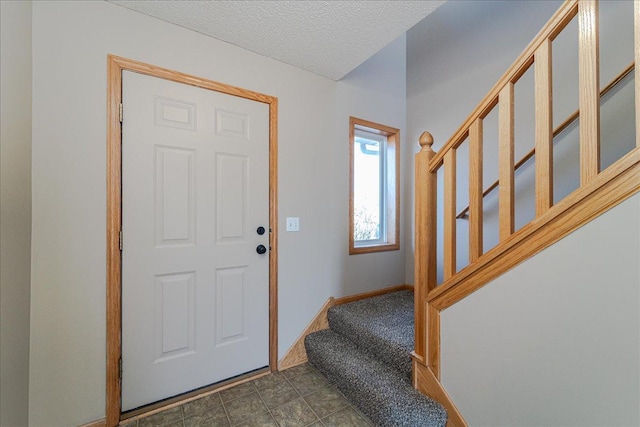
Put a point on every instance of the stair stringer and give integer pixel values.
(426, 382)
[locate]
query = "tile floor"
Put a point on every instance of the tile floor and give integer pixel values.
(299, 396)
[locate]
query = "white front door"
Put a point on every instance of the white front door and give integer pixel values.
(195, 290)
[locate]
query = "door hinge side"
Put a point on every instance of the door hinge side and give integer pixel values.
(120, 241)
(120, 368)
(121, 112)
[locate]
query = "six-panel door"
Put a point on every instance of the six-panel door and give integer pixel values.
(195, 301)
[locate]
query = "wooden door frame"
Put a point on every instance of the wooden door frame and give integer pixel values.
(115, 66)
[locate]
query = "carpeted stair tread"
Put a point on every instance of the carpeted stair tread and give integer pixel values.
(382, 394)
(381, 325)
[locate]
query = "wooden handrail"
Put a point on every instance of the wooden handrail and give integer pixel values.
(558, 22)
(615, 184)
(561, 127)
(598, 191)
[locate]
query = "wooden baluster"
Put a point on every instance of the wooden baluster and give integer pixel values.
(636, 20)
(544, 129)
(425, 240)
(450, 213)
(475, 190)
(589, 78)
(505, 161)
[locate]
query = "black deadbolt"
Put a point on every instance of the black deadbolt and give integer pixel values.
(261, 249)
(260, 231)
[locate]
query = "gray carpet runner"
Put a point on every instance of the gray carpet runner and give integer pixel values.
(382, 325)
(365, 354)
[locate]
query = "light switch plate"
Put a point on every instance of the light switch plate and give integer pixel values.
(293, 223)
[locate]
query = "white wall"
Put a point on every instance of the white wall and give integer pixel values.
(314, 264)
(556, 340)
(15, 210)
(374, 91)
(70, 43)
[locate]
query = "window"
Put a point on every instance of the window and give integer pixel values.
(374, 192)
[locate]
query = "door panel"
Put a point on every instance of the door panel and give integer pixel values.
(174, 297)
(175, 196)
(195, 294)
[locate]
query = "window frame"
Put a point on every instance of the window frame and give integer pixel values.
(389, 180)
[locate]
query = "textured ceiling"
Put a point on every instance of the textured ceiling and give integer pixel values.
(329, 38)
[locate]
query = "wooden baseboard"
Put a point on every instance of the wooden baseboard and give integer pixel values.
(97, 423)
(297, 355)
(377, 292)
(426, 382)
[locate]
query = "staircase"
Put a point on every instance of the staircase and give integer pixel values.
(365, 354)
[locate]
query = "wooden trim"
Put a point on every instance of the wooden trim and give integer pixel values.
(433, 325)
(273, 234)
(427, 383)
(636, 21)
(373, 126)
(612, 186)
(589, 77)
(352, 135)
(425, 240)
(543, 129)
(178, 77)
(297, 355)
(373, 248)
(97, 423)
(505, 162)
(392, 186)
(613, 83)
(556, 24)
(475, 190)
(114, 225)
(371, 294)
(115, 66)
(450, 214)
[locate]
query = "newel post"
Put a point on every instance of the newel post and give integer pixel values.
(425, 244)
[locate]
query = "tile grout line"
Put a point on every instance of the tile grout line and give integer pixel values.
(255, 390)
(265, 404)
(300, 396)
(224, 408)
(307, 403)
(348, 405)
(286, 379)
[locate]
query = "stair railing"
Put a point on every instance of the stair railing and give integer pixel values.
(598, 190)
(557, 131)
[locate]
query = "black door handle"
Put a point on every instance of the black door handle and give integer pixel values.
(261, 249)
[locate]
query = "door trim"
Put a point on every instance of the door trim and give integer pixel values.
(115, 66)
